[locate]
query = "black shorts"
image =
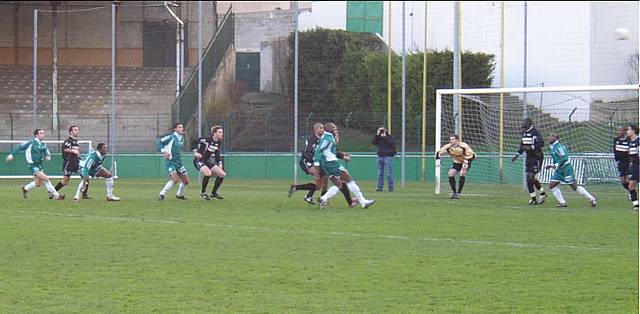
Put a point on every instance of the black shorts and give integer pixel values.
(70, 167)
(533, 165)
(305, 166)
(622, 167)
(458, 167)
(633, 172)
(199, 164)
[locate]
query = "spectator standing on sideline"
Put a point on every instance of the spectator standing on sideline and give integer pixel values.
(386, 152)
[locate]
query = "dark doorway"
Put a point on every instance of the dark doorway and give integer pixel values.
(159, 45)
(248, 69)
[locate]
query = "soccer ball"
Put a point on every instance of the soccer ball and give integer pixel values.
(622, 33)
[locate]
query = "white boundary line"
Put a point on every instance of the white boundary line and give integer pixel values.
(301, 232)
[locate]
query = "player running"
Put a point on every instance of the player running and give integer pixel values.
(91, 167)
(531, 144)
(462, 156)
(208, 161)
(171, 147)
(36, 152)
(564, 172)
(325, 157)
(71, 160)
(320, 178)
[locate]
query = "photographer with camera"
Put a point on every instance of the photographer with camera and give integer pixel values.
(386, 152)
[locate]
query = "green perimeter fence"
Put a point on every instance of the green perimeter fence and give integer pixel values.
(484, 169)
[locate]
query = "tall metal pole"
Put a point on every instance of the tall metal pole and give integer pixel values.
(35, 68)
(389, 74)
(295, 97)
(424, 100)
(457, 112)
(112, 137)
(54, 70)
(178, 117)
(524, 75)
(501, 118)
(199, 68)
(404, 94)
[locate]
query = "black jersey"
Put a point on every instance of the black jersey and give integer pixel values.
(209, 149)
(633, 150)
(310, 148)
(70, 143)
(621, 149)
(533, 139)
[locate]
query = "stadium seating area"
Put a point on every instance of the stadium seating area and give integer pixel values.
(143, 102)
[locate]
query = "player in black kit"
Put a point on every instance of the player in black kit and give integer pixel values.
(208, 160)
(320, 178)
(621, 155)
(634, 164)
(71, 160)
(531, 143)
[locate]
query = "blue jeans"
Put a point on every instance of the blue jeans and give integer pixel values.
(385, 163)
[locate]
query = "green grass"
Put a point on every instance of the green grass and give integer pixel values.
(259, 251)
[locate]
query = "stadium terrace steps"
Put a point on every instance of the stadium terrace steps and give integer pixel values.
(143, 101)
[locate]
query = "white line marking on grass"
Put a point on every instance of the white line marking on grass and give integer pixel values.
(291, 231)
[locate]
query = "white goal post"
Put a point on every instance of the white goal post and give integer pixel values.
(52, 168)
(488, 119)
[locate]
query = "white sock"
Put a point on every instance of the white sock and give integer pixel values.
(330, 193)
(167, 187)
(558, 194)
(109, 183)
(51, 188)
(181, 188)
(582, 191)
(353, 187)
(79, 189)
(533, 194)
(30, 186)
(541, 190)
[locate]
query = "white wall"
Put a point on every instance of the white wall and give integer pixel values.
(568, 43)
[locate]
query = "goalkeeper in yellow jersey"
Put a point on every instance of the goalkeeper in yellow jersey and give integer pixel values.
(462, 156)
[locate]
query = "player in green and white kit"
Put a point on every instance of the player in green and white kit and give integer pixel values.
(35, 153)
(564, 172)
(91, 166)
(325, 157)
(171, 147)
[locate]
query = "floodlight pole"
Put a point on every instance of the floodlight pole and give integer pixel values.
(404, 97)
(112, 136)
(35, 67)
(199, 69)
(179, 52)
(295, 97)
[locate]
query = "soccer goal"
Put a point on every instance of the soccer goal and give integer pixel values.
(488, 119)
(18, 167)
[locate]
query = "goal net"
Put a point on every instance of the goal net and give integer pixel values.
(53, 168)
(586, 118)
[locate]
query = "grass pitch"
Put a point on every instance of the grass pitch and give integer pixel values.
(259, 251)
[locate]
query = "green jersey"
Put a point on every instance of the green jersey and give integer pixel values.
(34, 151)
(171, 143)
(326, 150)
(559, 154)
(91, 163)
